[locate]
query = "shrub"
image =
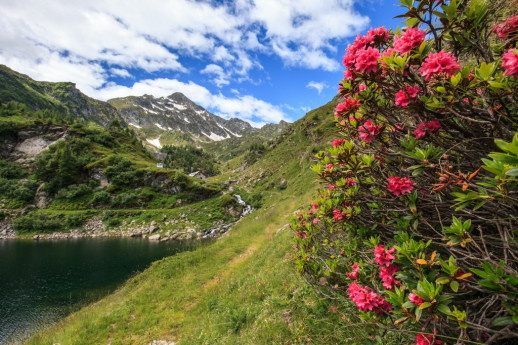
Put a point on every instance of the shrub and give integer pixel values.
(416, 225)
(11, 170)
(125, 199)
(74, 191)
(73, 220)
(100, 198)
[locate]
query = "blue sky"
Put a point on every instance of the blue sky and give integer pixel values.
(260, 60)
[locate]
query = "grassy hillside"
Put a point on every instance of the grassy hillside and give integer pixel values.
(241, 290)
(63, 98)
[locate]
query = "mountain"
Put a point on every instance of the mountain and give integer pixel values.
(173, 120)
(166, 120)
(63, 97)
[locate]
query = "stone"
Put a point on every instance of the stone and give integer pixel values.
(154, 237)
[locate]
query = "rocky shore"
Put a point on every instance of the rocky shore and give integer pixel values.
(95, 228)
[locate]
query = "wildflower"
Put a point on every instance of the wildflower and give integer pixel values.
(367, 130)
(331, 187)
(402, 99)
(440, 62)
(510, 63)
(426, 339)
(338, 142)
(507, 29)
(387, 276)
(400, 185)
(382, 257)
(337, 215)
(350, 181)
(354, 274)
(367, 60)
(411, 38)
(329, 167)
(380, 34)
(367, 300)
(432, 126)
(412, 297)
(316, 220)
(315, 206)
(362, 87)
(349, 105)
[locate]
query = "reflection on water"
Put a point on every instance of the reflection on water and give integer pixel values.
(42, 281)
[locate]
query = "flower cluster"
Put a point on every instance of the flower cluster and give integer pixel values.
(412, 297)
(402, 99)
(400, 185)
(366, 299)
(441, 62)
(510, 63)
(368, 130)
(367, 60)
(411, 38)
(432, 126)
(346, 107)
(508, 29)
(426, 339)
(338, 142)
(354, 274)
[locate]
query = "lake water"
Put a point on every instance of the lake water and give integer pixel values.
(43, 281)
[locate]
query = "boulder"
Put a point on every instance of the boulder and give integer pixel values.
(154, 237)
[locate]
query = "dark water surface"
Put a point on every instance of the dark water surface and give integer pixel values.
(43, 281)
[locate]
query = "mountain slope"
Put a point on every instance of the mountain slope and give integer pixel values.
(164, 116)
(63, 97)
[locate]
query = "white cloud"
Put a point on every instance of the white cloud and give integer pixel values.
(120, 72)
(317, 86)
(89, 42)
(220, 79)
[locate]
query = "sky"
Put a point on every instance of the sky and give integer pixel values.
(262, 61)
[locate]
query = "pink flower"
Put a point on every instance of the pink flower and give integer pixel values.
(315, 206)
(338, 142)
(433, 126)
(349, 105)
(411, 38)
(331, 187)
(507, 28)
(412, 297)
(316, 220)
(413, 91)
(367, 130)
(379, 34)
(354, 274)
(362, 87)
(350, 181)
(400, 185)
(510, 63)
(419, 133)
(329, 166)
(440, 62)
(367, 300)
(402, 99)
(337, 215)
(426, 339)
(387, 276)
(382, 257)
(367, 60)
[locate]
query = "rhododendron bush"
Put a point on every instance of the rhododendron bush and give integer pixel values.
(418, 220)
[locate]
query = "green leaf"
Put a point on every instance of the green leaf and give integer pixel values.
(425, 305)
(502, 321)
(515, 319)
(443, 308)
(418, 313)
(443, 280)
(454, 285)
(512, 172)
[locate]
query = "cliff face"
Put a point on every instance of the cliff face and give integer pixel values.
(25, 144)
